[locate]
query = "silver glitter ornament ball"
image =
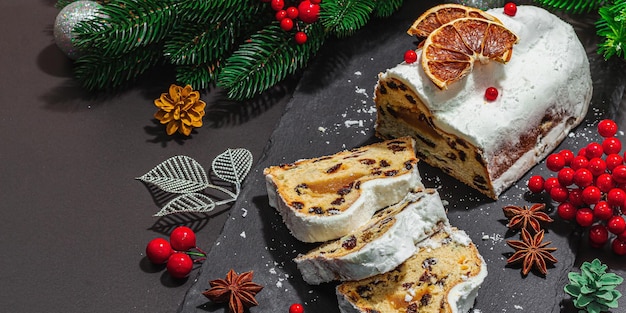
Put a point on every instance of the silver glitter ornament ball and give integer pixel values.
(69, 16)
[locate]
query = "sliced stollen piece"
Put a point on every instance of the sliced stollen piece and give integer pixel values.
(382, 244)
(328, 197)
(444, 275)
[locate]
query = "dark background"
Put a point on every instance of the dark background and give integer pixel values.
(75, 221)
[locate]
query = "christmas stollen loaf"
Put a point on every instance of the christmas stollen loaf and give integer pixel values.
(325, 198)
(544, 91)
(444, 275)
(382, 244)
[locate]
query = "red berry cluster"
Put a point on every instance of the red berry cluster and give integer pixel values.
(177, 252)
(307, 11)
(590, 187)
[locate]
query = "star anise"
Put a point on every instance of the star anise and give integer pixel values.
(532, 251)
(523, 217)
(238, 290)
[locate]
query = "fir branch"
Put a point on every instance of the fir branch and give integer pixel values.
(572, 6)
(267, 58)
(385, 8)
(127, 25)
(214, 11)
(95, 71)
(612, 27)
(201, 76)
(344, 17)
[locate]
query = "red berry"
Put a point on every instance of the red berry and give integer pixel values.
(616, 197)
(619, 174)
(576, 197)
(550, 183)
(280, 15)
(555, 162)
(607, 128)
(410, 56)
(591, 195)
(594, 150)
(308, 12)
(277, 5)
(598, 234)
(559, 194)
(618, 246)
(584, 217)
(566, 211)
(602, 211)
(179, 265)
(158, 250)
(616, 225)
(316, 1)
(583, 177)
(510, 9)
(612, 161)
(611, 145)
(566, 176)
(597, 166)
(579, 162)
(300, 38)
(605, 182)
(622, 236)
(286, 24)
(491, 94)
(296, 308)
(535, 184)
(292, 12)
(183, 238)
(567, 155)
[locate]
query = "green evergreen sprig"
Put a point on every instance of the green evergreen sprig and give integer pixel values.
(612, 27)
(573, 6)
(266, 58)
(593, 289)
(344, 17)
(384, 9)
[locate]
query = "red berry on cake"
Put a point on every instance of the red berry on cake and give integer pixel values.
(598, 234)
(179, 265)
(584, 217)
(535, 183)
(491, 94)
(286, 24)
(607, 128)
(410, 56)
(301, 38)
(308, 11)
(296, 308)
(618, 246)
(616, 225)
(566, 211)
(510, 9)
(183, 238)
(602, 211)
(158, 250)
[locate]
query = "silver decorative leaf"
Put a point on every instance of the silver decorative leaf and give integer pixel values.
(233, 165)
(188, 202)
(178, 174)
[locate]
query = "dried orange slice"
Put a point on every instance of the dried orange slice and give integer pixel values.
(450, 51)
(443, 14)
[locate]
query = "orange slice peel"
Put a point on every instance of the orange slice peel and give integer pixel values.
(443, 14)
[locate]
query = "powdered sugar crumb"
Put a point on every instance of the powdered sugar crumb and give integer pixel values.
(243, 234)
(244, 212)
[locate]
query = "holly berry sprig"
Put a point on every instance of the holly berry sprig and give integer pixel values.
(590, 187)
(179, 253)
(306, 11)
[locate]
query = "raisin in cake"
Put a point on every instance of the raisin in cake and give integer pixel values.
(444, 275)
(544, 92)
(386, 241)
(328, 197)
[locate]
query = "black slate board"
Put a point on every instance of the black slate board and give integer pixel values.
(331, 110)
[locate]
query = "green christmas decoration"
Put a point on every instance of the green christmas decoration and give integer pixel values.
(593, 289)
(611, 26)
(242, 46)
